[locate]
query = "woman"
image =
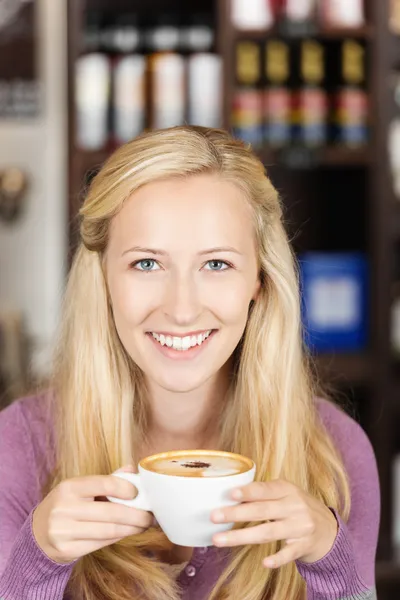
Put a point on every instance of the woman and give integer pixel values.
(182, 237)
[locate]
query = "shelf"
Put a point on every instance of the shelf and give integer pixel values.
(304, 158)
(353, 369)
(326, 33)
(388, 571)
(86, 160)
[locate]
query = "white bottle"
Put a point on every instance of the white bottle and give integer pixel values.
(129, 97)
(252, 14)
(168, 86)
(92, 92)
(205, 90)
(342, 13)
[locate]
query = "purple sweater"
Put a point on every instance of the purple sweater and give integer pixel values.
(26, 573)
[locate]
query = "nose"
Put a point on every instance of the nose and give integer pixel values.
(182, 304)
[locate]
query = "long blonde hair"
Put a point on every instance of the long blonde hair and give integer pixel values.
(270, 415)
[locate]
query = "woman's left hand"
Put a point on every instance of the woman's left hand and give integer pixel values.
(287, 513)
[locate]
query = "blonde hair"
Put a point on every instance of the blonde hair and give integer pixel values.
(271, 415)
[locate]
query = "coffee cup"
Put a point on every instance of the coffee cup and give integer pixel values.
(182, 488)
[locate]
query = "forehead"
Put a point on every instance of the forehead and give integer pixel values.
(185, 209)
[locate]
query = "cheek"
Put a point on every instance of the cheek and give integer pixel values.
(233, 303)
(129, 303)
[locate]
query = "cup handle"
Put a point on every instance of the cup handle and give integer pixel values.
(141, 501)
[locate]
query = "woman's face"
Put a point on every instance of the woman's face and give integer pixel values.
(182, 270)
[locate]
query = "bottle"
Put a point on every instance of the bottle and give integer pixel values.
(165, 35)
(247, 107)
(310, 103)
(92, 89)
(342, 13)
(205, 89)
(350, 116)
(198, 34)
(129, 108)
(252, 14)
(277, 94)
(167, 71)
(92, 31)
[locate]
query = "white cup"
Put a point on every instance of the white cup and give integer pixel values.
(183, 505)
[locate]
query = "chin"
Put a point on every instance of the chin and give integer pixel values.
(181, 385)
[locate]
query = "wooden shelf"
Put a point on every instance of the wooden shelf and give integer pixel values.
(388, 571)
(86, 160)
(365, 32)
(329, 156)
(353, 369)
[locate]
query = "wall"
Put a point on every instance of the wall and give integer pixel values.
(33, 250)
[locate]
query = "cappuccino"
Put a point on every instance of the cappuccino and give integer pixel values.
(197, 463)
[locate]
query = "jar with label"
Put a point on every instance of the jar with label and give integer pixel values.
(247, 105)
(277, 94)
(350, 111)
(310, 103)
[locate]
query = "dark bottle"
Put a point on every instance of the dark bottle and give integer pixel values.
(247, 107)
(350, 114)
(310, 103)
(277, 94)
(197, 34)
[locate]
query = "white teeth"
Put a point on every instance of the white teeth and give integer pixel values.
(186, 341)
(182, 344)
(177, 343)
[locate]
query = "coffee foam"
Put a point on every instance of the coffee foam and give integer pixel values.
(198, 466)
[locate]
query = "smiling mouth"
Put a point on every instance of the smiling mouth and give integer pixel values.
(182, 344)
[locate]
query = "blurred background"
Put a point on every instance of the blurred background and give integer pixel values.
(313, 85)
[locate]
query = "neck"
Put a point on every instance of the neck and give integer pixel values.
(185, 420)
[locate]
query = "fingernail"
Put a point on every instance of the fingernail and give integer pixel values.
(237, 494)
(220, 539)
(218, 516)
(269, 562)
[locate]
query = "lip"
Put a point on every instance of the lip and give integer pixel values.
(179, 355)
(181, 335)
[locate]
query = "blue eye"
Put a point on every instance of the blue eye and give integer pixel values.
(216, 265)
(145, 265)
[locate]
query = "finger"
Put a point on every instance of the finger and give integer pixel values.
(99, 485)
(82, 548)
(251, 511)
(103, 531)
(260, 534)
(126, 469)
(263, 490)
(107, 512)
(286, 555)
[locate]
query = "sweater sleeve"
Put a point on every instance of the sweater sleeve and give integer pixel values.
(26, 573)
(347, 572)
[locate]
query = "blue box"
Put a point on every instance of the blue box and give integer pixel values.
(334, 289)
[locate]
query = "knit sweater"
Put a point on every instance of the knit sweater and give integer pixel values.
(26, 573)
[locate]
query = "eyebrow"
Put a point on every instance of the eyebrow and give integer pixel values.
(155, 251)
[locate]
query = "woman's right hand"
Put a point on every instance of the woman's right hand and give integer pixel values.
(69, 523)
